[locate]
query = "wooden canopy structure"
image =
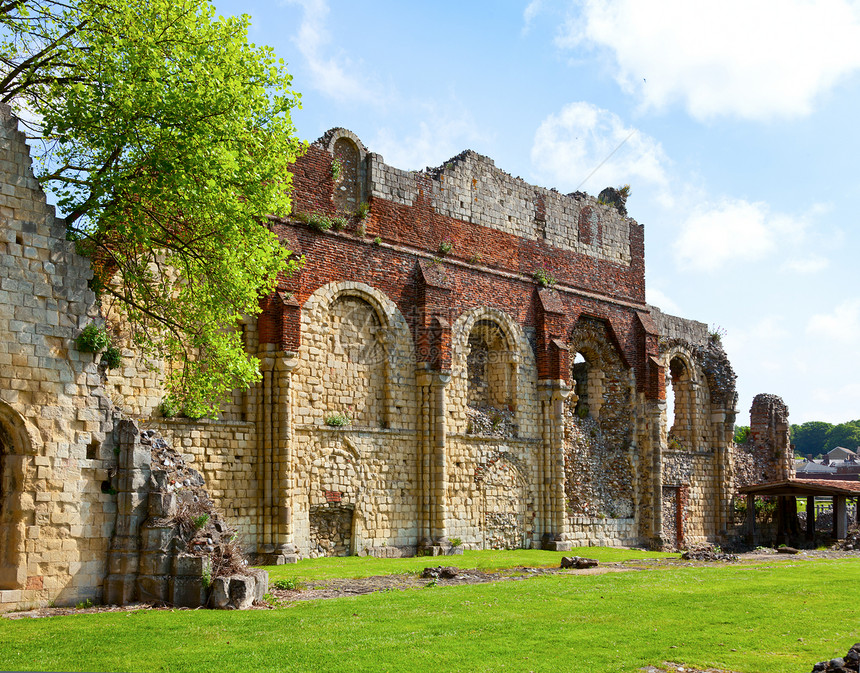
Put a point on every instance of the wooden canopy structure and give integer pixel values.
(810, 489)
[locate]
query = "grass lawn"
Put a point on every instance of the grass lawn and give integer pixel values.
(773, 617)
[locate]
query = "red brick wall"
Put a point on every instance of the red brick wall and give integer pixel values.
(497, 272)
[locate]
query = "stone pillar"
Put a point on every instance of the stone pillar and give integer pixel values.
(265, 444)
(723, 431)
(552, 519)
(132, 485)
(433, 468)
(657, 439)
(285, 548)
(275, 544)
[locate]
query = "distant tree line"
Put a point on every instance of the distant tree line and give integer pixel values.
(814, 438)
(818, 437)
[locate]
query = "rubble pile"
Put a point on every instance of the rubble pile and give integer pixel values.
(707, 552)
(200, 528)
(578, 562)
(851, 541)
(186, 532)
(440, 572)
(850, 662)
(491, 421)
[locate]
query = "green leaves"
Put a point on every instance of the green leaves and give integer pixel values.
(166, 137)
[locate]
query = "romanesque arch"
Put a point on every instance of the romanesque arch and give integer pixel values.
(358, 358)
(16, 442)
(686, 393)
(599, 475)
(492, 370)
(348, 171)
(690, 472)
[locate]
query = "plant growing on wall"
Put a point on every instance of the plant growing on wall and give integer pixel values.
(164, 136)
(336, 169)
(92, 339)
(544, 278)
(363, 210)
(337, 419)
(445, 247)
(112, 357)
(316, 221)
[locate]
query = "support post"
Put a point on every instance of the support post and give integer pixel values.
(810, 518)
(433, 466)
(554, 531)
(750, 524)
(284, 545)
(840, 518)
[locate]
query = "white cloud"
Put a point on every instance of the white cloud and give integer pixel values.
(451, 131)
(338, 77)
(587, 146)
(529, 13)
(733, 230)
(812, 263)
(841, 325)
(656, 297)
(756, 59)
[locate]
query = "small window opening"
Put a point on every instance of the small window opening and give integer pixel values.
(93, 450)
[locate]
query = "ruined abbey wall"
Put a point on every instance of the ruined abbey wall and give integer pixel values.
(470, 361)
(56, 444)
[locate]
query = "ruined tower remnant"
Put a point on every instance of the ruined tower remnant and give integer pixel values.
(770, 439)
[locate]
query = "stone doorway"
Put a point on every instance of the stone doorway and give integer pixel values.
(503, 507)
(674, 505)
(331, 530)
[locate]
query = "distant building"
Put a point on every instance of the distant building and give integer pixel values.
(841, 453)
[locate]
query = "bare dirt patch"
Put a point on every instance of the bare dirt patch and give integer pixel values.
(337, 588)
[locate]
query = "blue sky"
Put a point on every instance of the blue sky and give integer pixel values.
(736, 125)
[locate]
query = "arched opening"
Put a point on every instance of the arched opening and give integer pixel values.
(491, 370)
(355, 375)
(10, 533)
(679, 405)
(598, 430)
(346, 174)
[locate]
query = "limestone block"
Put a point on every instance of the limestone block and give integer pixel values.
(219, 598)
(153, 588)
(187, 591)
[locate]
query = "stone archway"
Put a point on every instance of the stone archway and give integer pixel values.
(16, 442)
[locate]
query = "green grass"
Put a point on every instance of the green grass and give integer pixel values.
(368, 566)
(767, 618)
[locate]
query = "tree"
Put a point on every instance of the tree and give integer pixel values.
(810, 438)
(742, 434)
(845, 434)
(165, 137)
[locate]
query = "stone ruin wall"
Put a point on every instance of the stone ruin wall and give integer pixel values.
(389, 345)
(56, 425)
(470, 188)
(695, 461)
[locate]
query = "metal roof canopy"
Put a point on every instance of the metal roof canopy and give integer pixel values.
(805, 488)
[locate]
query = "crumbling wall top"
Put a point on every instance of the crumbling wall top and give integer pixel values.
(471, 188)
